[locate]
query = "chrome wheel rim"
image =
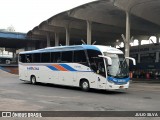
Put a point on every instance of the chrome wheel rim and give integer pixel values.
(33, 80)
(85, 85)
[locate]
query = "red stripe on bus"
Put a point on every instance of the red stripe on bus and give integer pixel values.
(60, 67)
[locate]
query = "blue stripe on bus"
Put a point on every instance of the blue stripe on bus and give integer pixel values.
(67, 67)
(91, 47)
(52, 68)
(118, 80)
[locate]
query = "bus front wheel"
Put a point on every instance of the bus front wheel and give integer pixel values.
(33, 80)
(85, 85)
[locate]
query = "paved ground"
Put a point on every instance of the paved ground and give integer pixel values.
(16, 95)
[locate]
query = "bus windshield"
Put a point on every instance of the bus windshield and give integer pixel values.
(119, 67)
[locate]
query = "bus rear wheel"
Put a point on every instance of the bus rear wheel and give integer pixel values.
(85, 85)
(33, 80)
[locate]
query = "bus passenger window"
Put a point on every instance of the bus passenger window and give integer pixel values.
(101, 67)
(45, 57)
(22, 58)
(80, 57)
(29, 58)
(56, 57)
(36, 58)
(66, 56)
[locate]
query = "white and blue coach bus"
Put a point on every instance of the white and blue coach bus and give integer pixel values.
(85, 66)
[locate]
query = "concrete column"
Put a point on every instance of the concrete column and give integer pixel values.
(89, 32)
(139, 58)
(2, 49)
(67, 35)
(48, 40)
(41, 45)
(56, 39)
(157, 39)
(127, 40)
(30, 46)
(2, 52)
(139, 42)
(157, 57)
(14, 54)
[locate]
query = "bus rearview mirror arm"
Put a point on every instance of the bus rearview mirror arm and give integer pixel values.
(109, 60)
(134, 61)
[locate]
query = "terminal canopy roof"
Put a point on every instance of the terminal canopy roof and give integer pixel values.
(108, 21)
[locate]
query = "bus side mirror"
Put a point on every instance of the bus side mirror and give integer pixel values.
(134, 61)
(109, 60)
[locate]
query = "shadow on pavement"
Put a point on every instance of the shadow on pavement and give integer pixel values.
(107, 92)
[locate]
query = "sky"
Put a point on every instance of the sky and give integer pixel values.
(24, 15)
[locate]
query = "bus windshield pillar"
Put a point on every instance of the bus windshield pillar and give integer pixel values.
(139, 42)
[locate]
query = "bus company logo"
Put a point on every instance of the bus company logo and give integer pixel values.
(32, 68)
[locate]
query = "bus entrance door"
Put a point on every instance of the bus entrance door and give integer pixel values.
(101, 81)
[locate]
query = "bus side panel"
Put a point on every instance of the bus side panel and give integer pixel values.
(23, 72)
(44, 74)
(101, 82)
(66, 74)
(95, 80)
(53, 77)
(90, 76)
(83, 72)
(66, 78)
(59, 76)
(29, 70)
(36, 71)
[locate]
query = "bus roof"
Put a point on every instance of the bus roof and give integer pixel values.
(100, 48)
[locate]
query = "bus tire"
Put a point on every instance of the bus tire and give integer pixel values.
(84, 84)
(33, 80)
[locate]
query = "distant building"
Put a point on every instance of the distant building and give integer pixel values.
(3, 30)
(9, 29)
